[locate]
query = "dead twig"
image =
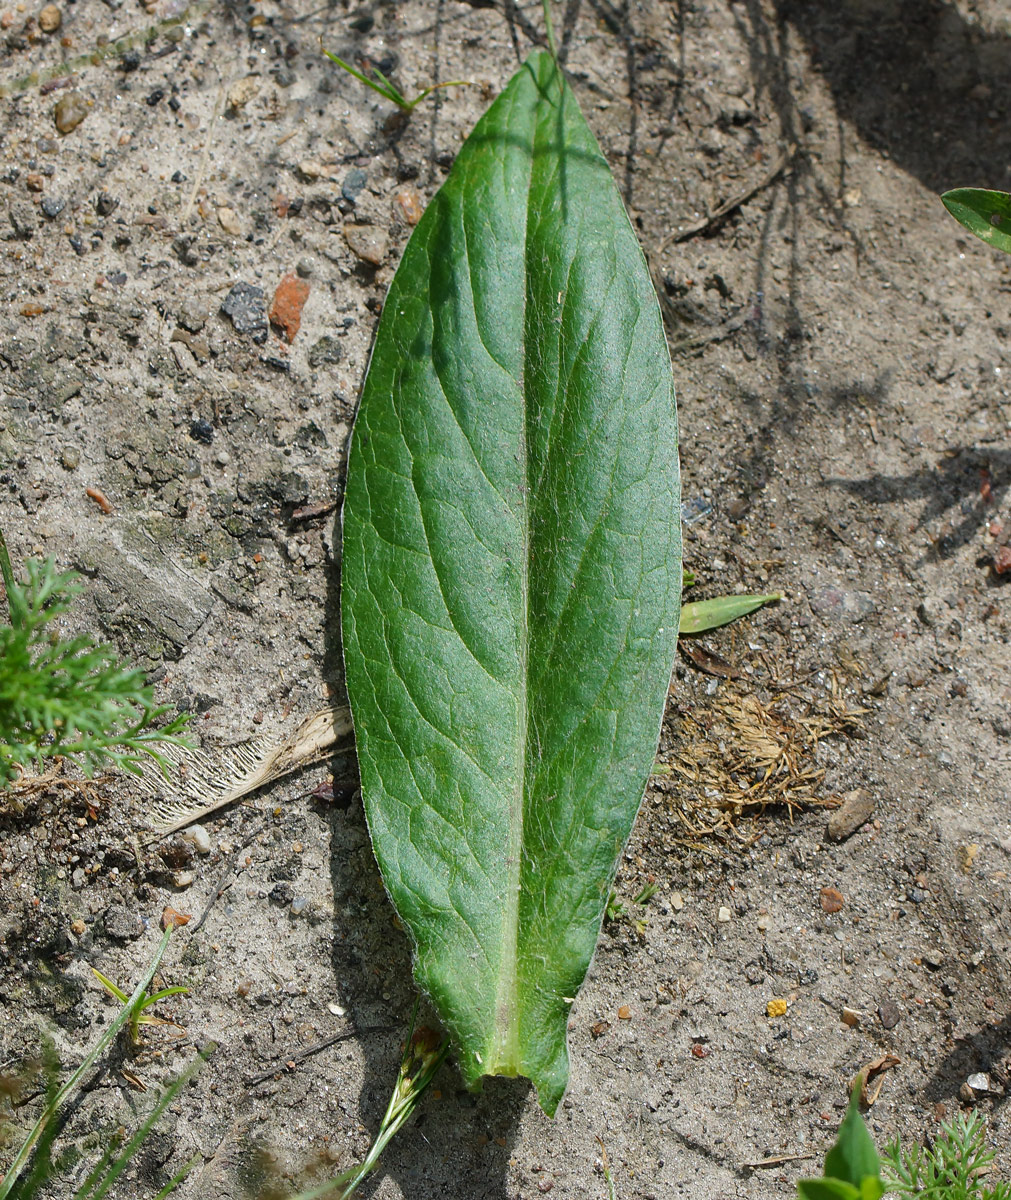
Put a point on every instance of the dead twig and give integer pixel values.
(716, 218)
(292, 1061)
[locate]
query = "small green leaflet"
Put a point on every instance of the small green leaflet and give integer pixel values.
(511, 574)
(852, 1166)
(701, 615)
(985, 213)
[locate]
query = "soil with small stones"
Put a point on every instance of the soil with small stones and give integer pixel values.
(841, 353)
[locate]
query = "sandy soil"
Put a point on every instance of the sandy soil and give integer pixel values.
(841, 353)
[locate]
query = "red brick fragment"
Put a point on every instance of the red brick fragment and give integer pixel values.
(289, 300)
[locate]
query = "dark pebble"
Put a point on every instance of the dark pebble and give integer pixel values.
(178, 176)
(175, 103)
(326, 351)
(281, 893)
(889, 1014)
(362, 21)
(186, 252)
(247, 310)
(52, 206)
(156, 97)
(129, 61)
(202, 431)
(354, 181)
(105, 204)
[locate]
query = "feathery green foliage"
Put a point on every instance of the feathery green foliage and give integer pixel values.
(950, 1169)
(67, 696)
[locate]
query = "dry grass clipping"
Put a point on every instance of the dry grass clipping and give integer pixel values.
(744, 754)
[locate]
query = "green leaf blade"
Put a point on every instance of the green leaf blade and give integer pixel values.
(985, 213)
(853, 1157)
(511, 574)
(700, 615)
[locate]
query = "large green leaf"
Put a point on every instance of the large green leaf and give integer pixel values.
(512, 574)
(985, 213)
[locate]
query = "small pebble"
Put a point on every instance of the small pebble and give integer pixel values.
(183, 879)
(193, 317)
(105, 204)
(367, 242)
(856, 809)
(304, 268)
(723, 915)
(22, 218)
(776, 1007)
(408, 202)
(70, 459)
(78, 928)
(242, 91)
(122, 924)
(309, 169)
(50, 19)
(851, 1017)
(200, 838)
(979, 1083)
(677, 902)
(298, 905)
(34, 182)
(326, 351)
(228, 219)
(889, 1014)
(70, 111)
(52, 206)
(244, 306)
(354, 182)
(202, 430)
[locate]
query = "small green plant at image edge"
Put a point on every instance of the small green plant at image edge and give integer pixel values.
(985, 213)
(949, 1169)
(67, 696)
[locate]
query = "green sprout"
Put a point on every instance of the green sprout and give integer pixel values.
(422, 1058)
(388, 90)
(138, 1016)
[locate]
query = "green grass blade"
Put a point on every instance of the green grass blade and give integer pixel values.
(701, 615)
(985, 213)
(110, 987)
(57, 1101)
(177, 1179)
(137, 1139)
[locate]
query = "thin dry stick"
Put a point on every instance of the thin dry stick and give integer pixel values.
(716, 218)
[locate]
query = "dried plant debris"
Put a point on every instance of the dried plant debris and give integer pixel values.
(201, 782)
(745, 753)
(29, 793)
